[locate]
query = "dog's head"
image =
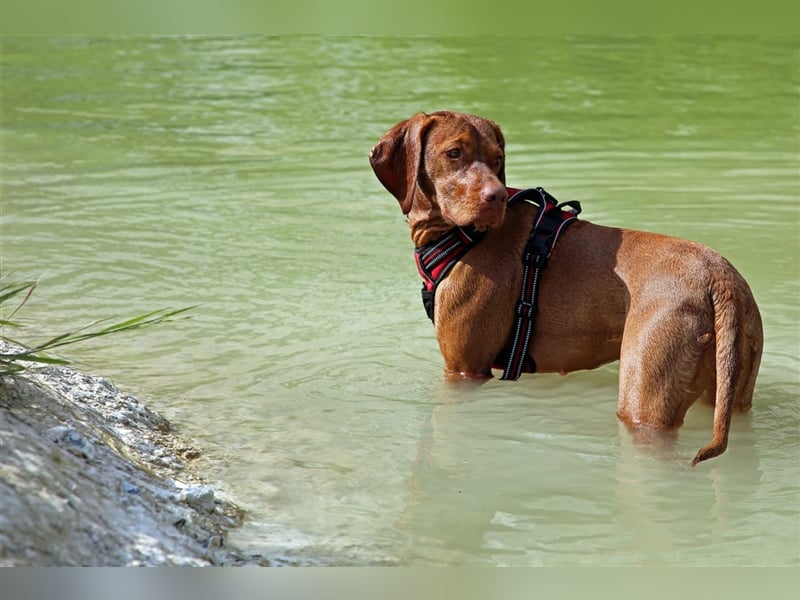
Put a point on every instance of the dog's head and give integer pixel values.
(445, 162)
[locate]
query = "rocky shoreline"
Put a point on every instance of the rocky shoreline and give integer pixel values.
(90, 476)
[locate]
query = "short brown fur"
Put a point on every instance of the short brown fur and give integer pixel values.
(680, 319)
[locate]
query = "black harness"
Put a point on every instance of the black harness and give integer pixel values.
(435, 260)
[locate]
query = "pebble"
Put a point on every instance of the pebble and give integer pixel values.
(214, 541)
(130, 488)
(71, 441)
(200, 497)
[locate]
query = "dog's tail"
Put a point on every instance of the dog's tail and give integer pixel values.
(738, 337)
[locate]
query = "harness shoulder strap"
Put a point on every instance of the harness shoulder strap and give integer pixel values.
(551, 219)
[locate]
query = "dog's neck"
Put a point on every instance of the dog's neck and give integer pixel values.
(426, 221)
(424, 231)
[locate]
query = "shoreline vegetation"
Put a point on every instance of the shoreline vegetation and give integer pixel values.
(89, 476)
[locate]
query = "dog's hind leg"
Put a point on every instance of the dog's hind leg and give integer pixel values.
(664, 364)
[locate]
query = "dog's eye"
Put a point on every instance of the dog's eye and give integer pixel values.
(453, 153)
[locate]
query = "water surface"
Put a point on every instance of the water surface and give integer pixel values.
(232, 173)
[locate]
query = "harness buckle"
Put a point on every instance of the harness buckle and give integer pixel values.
(536, 253)
(428, 301)
(526, 310)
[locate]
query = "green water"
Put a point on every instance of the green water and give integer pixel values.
(232, 173)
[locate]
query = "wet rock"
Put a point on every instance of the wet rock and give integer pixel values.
(89, 476)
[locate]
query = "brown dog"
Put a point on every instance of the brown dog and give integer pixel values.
(681, 320)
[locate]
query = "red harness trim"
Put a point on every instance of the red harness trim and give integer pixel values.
(435, 260)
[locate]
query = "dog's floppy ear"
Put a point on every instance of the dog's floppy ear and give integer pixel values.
(396, 158)
(502, 141)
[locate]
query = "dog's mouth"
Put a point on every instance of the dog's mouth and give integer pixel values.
(490, 217)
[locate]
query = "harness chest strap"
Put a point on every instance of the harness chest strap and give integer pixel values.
(435, 260)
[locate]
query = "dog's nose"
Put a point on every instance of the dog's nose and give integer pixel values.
(493, 193)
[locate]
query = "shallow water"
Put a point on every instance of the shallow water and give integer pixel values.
(144, 172)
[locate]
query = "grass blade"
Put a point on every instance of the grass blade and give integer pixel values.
(11, 362)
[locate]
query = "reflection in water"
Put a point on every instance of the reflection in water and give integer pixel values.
(684, 517)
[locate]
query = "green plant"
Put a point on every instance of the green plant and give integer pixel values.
(12, 362)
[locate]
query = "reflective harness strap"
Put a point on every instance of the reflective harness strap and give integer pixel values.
(550, 221)
(435, 260)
